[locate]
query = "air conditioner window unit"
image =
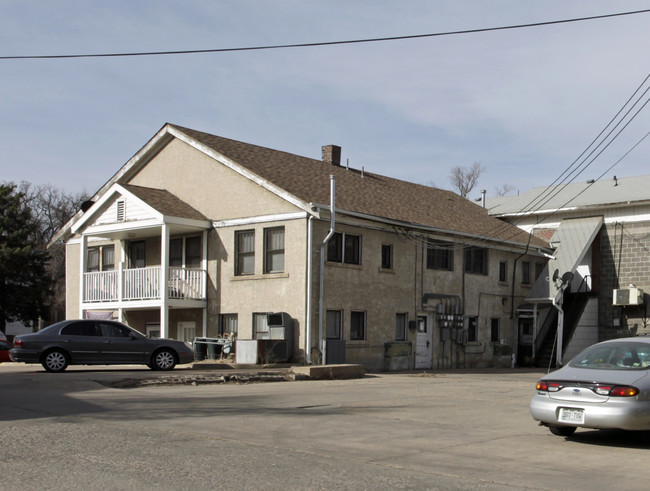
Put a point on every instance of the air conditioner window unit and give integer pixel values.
(628, 296)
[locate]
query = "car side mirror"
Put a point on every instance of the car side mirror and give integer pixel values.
(132, 335)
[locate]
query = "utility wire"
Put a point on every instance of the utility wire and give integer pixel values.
(552, 190)
(325, 43)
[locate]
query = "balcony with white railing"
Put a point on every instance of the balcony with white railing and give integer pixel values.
(143, 284)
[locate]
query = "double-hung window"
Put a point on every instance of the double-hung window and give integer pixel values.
(274, 250)
(476, 260)
(503, 271)
(245, 252)
(100, 258)
(440, 255)
(344, 248)
(387, 256)
(357, 326)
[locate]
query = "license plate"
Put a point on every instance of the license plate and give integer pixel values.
(572, 415)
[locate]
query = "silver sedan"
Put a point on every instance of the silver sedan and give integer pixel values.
(605, 386)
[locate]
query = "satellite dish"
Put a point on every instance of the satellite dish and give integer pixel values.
(567, 277)
(556, 275)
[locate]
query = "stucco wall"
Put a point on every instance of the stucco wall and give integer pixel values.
(211, 188)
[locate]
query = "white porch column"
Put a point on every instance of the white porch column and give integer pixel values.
(83, 254)
(204, 267)
(164, 281)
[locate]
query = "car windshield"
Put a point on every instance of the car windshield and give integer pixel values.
(614, 356)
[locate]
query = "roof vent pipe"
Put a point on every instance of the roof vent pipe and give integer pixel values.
(323, 248)
(483, 198)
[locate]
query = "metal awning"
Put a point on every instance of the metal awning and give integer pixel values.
(571, 241)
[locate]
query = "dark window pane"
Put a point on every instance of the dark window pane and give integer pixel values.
(81, 328)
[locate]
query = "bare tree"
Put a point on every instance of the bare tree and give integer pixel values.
(52, 208)
(463, 179)
(504, 189)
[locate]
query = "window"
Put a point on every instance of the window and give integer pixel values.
(261, 326)
(503, 271)
(81, 328)
(274, 250)
(344, 248)
(401, 320)
(472, 329)
(357, 326)
(440, 255)
(108, 258)
(525, 272)
(334, 323)
(387, 256)
(228, 324)
(494, 330)
(105, 253)
(245, 252)
(92, 261)
(110, 330)
(476, 260)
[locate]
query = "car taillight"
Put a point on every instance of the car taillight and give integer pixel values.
(18, 343)
(624, 392)
(548, 386)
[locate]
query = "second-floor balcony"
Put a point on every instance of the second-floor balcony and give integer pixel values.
(143, 284)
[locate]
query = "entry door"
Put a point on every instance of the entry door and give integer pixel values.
(423, 343)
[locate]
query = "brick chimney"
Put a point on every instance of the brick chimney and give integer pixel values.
(332, 154)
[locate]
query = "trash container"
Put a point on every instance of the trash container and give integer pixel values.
(200, 349)
(214, 349)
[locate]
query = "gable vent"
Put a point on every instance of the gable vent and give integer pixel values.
(120, 211)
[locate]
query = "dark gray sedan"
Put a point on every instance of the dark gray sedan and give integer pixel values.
(605, 386)
(97, 342)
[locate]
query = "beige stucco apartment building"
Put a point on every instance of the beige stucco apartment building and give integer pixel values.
(201, 236)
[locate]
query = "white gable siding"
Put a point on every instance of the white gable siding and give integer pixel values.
(133, 210)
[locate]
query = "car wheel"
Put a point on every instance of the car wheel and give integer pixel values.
(55, 361)
(163, 359)
(562, 430)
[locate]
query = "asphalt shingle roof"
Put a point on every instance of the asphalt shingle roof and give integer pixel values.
(164, 202)
(364, 192)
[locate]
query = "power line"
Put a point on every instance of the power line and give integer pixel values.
(324, 43)
(549, 192)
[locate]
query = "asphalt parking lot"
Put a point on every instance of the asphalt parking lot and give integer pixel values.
(434, 430)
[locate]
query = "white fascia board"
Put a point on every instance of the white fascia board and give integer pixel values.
(259, 219)
(231, 164)
(122, 226)
(187, 222)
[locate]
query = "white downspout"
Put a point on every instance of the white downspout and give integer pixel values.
(310, 254)
(560, 330)
(321, 341)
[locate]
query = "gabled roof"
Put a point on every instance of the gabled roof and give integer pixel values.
(165, 202)
(305, 182)
(364, 192)
(577, 195)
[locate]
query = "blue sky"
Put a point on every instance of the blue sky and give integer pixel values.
(524, 103)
